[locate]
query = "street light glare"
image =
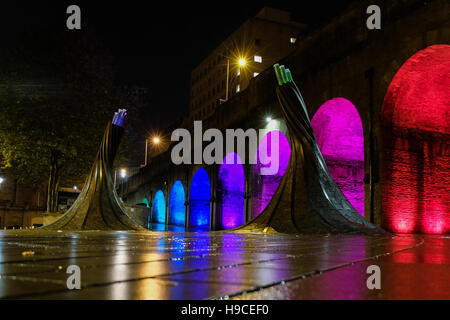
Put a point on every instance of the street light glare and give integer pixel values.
(123, 173)
(156, 140)
(268, 119)
(242, 62)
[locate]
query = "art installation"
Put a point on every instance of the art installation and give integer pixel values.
(98, 207)
(308, 200)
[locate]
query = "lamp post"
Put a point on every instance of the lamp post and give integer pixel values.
(241, 62)
(155, 140)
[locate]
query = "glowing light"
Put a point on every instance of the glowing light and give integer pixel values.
(159, 208)
(199, 200)
(242, 62)
(123, 173)
(1, 180)
(339, 133)
(416, 161)
(74, 187)
(144, 200)
(265, 186)
(231, 189)
(268, 119)
(176, 204)
(156, 140)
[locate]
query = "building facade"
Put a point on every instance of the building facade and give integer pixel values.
(253, 47)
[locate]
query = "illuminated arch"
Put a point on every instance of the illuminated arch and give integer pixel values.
(176, 204)
(264, 186)
(339, 133)
(416, 135)
(159, 208)
(199, 200)
(231, 189)
(145, 200)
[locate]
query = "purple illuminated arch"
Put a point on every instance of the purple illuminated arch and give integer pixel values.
(231, 190)
(265, 186)
(339, 133)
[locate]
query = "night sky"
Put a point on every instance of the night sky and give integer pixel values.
(155, 45)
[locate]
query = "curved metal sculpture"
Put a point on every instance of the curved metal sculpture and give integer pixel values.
(307, 200)
(98, 207)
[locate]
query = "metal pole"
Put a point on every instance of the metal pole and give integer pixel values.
(146, 152)
(228, 78)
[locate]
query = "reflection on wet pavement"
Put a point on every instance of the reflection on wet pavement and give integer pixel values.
(171, 265)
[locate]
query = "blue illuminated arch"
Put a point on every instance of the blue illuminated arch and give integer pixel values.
(176, 204)
(159, 208)
(199, 200)
(231, 189)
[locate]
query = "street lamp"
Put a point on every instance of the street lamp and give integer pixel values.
(241, 62)
(123, 173)
(155, 140)
(1, 180)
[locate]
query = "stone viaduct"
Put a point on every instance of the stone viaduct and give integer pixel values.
(340, 59)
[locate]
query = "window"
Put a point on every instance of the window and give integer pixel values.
(238, 88)
(293, 40)
(255, 74)
(258, 59)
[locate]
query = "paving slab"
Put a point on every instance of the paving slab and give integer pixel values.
(218, 265)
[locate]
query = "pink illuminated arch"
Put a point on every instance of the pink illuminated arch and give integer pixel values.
(416, 148)
(339, 133)
(273, 144)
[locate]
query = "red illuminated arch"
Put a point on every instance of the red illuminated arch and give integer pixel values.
(416, 148)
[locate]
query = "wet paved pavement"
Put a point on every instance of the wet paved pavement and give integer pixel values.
(169, 265)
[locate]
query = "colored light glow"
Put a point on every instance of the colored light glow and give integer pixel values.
(231, 189)
(242, 62)
(199, 200)
(123, 173)
(176, 204)
(265, 186)
(339, 133)
(159, 208)
(144, 200)
(416, 158)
